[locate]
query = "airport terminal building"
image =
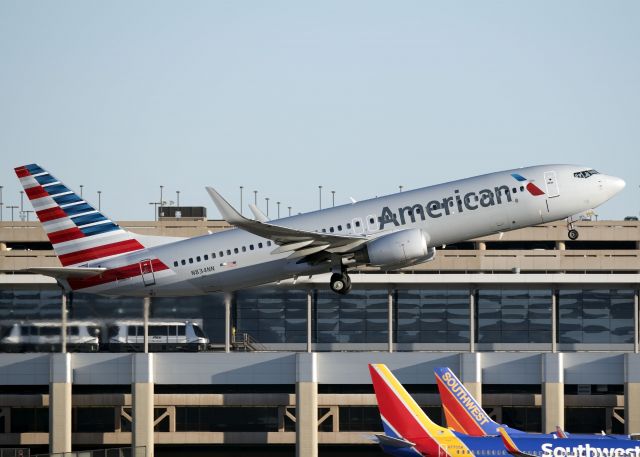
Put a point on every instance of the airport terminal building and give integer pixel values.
(543, 329)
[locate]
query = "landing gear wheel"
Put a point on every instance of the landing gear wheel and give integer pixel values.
(573, 234)
(340, 283)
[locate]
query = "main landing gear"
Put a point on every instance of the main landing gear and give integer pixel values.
(573, 233)
(340, 283)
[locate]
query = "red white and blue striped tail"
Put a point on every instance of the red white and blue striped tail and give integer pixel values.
(78, 232)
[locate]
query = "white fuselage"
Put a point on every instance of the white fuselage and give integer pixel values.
(448, 213)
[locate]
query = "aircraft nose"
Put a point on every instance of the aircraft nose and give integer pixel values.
(615, 184)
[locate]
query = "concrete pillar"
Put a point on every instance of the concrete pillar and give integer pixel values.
(309, 318)
(471, 373)
(481, 246)
(63, 322)
(636, 324)
(552, 392)
(306, 405)
(631, 393)
(142, 399)
(227, 321)
(146, 307)
(59, 403)
(554, 320)
(472, 320)
(561, 246)
(3, 246)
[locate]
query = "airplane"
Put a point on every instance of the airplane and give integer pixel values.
(464, 414)
(390, 232)
(409, 432)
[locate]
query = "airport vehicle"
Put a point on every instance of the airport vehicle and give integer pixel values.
(45, 336)
(408, 431)
(391, 232)
(464, 414)
(125, 336)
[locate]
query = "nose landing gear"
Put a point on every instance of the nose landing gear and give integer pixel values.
(573, 233)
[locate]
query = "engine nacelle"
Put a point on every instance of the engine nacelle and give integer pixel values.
(397, 248)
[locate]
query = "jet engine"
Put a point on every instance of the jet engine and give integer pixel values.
(405, 247)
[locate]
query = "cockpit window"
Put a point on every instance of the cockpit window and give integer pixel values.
(585, 173)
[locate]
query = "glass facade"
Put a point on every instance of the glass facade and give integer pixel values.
(272, 315)
(514, 315)
(359, 317)
(432, 316)
(527, 418)
(504, 315)
(596, 315)
(226, 419)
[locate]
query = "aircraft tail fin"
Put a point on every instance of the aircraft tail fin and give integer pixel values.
(78, 231)
(402, 417)
(462, 411)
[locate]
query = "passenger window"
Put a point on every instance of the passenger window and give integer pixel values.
(190, 259)
(339, 228)
(324, 230)
(260, 245)
(206, 257)
(331, 229)
(268, 243)
(228, 251)
(357, 223)
(198, 259)
(371, 219)
(213, 255)
(514, 190)
(244, 249)
(175, 264)
(235, 250)
(221, 254)
(183, 262)
(521, 188)
(251, 247)
(348, 225)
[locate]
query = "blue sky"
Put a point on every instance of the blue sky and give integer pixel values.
(359, 97)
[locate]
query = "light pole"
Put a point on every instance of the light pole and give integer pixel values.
(267, 199)
(278, 209)
(12, 208)
(241, 189)
(161, 187)
(99, 200)
(333, 198)
(27, 213)
(155, 212)
(289, 210)
(178, 198)
(320, 196)
(255, 197)
(1, 203)
(21, 200)
(81, 189)
(400, 187)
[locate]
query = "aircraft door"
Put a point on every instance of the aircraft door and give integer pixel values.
(357, 226)
(146, 269)
(551, 182)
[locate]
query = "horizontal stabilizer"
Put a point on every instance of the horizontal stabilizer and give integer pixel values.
(386, 440)
(510, 445)
(65, 272)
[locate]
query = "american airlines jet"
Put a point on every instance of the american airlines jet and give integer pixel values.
(393, 231)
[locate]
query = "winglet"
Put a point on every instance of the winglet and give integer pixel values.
(259, 215)
(561, 433)
(227, 211)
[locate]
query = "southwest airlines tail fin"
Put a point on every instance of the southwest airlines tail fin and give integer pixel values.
(78, 232)
(402, 417)
(463, 412)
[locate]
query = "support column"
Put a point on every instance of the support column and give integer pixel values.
(227, 321)
(146, 306)
(390, 318)
(552, 392)
(471, 373)
(636, 324)
(63, 322)
(306, 405)
(309, 318)
(472, 320)
(631, 393)
(142, 399)
(59, 403)
(554, 320)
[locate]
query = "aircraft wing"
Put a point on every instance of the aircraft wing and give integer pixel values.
(301, 241)
(510, 445)
(65, 272)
